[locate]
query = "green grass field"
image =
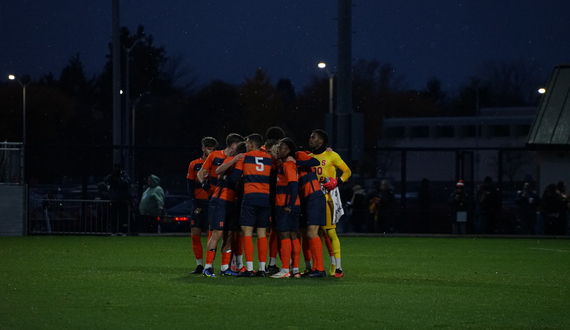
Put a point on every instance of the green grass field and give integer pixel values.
(389, 283)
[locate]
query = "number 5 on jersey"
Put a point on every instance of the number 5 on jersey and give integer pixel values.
(259, 163)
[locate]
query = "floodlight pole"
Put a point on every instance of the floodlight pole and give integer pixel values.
(13, 77)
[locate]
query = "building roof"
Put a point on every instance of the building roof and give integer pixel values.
(551, 126)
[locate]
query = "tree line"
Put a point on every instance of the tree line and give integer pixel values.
(171, 110)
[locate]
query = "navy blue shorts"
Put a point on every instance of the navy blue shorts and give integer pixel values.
(287, 221)
(199, 220)
(255, 216)
(314, 212)
(219, 213)
(232, 221)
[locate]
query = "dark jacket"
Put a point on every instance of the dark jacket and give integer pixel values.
(118, 186)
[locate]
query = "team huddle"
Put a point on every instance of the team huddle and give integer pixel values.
(275, 189)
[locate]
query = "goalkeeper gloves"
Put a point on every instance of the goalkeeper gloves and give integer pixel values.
(332, 183)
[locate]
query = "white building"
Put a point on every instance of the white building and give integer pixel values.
(439, 147)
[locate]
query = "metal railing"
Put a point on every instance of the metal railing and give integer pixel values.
(66, 216)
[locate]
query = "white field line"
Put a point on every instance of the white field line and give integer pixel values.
(550, 250)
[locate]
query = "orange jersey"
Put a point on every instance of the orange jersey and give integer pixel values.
(215, 159)
(256, 170)
(193, 169)
(224, 190)
(309, 186)
(287, 185)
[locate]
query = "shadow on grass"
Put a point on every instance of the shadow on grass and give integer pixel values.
(258, 281)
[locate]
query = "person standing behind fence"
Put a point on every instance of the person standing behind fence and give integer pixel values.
(459, 203)
(487, 208)
(552, 204)
(151, 205)
(382, 207)
(527, 201)
(118, 183)
(563, 216)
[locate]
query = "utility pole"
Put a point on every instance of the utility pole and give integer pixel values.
(349, 125)
(344, 77)
(117, 118)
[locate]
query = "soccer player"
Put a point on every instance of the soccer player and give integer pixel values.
(273, 135)
(222, 218)
(256, 208)
(199, 202)
(287, 209)
(313, 211)
(207, 174)
(330, 162)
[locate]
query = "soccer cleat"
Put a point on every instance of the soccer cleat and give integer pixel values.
(228, 272)
(296, 275)
(281, 274)
(199, 269)
(306, 271)
(260, 273)
(338, 273)
(333, 268)
(234, 269)
(272, 270)
(208, 272)
(247, 273)
(317, 273)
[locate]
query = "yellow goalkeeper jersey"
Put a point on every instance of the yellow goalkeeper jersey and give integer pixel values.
(330, 162)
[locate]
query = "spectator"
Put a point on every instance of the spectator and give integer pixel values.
(151, 205)
(527, 200)
(552, 204)
(381, 208)
(563, 221)
(487, 208)
(118, 183)
(459, 203)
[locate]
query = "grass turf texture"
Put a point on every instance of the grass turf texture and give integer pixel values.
(394, 283)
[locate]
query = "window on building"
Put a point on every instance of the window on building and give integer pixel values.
(420, 132)
(468, 131)
(522, 130)
(500, 130)
(395, 132)
(445, 131)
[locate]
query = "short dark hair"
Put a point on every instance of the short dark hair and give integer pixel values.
(322, 134)
(240, 148)
(291, 145)
(233, 138)
(209, 142)
(256, 139)
(274, 133)
(270, 143)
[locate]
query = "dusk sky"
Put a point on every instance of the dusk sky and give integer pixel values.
(229, 40)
